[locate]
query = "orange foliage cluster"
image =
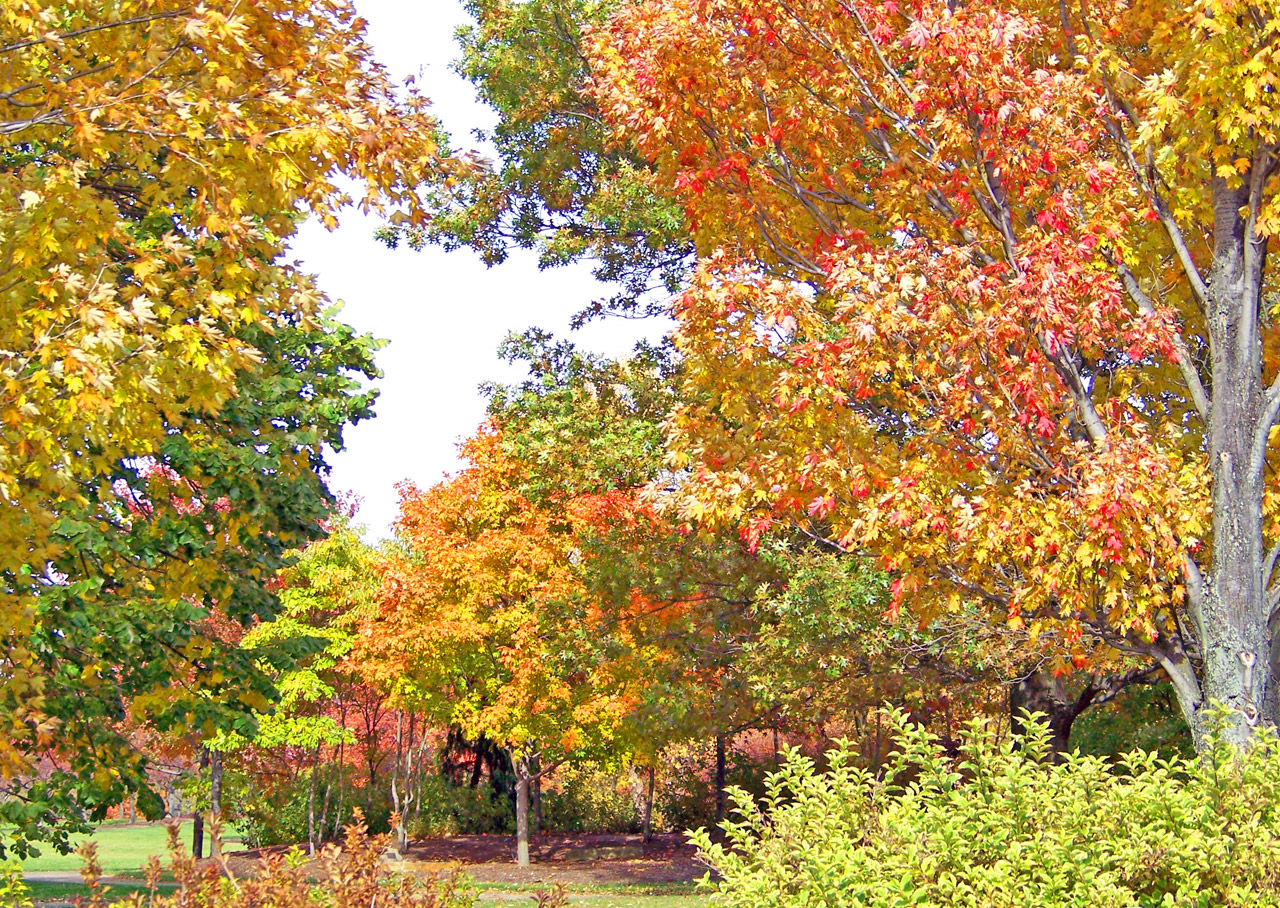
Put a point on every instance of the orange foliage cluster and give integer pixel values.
(483, 621)
(912, 328)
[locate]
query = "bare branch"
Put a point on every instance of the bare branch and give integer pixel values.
(1199, 397)
(119, 23)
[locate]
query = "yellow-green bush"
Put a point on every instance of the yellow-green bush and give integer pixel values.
(1000, 828)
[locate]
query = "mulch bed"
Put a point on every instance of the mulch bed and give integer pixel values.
(666, 859)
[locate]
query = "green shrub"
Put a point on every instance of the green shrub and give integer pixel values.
(278, 816)
(1001, 828)
(13, 892)
(591, 799)
(446, 809)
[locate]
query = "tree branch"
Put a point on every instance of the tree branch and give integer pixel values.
(136, 20)
(1199, 397)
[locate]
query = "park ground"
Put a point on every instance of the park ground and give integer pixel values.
(596, 871)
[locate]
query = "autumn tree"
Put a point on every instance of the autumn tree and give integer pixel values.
(984, 290)
(155, 158)
(482, 623)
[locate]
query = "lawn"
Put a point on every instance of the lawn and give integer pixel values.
(619, 899)
(48, 892)
(123, 849)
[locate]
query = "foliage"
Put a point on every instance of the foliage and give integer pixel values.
(12, 891)
(322, 595)
(169, 384)
(348, 876)
(558, 185)
(581, 423)
(593, 799)
(276, 813)
(174, 567)
(968, 281)
(1143, 717)
(1002, 827)
(447, 809)
(481, 619)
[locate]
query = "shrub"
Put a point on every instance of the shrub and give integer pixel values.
(13, 892)
(1002, 828)
(351, 876)
(591, 799)
(446, 809)
(278, 815)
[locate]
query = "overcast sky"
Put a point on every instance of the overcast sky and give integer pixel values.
(444, 314)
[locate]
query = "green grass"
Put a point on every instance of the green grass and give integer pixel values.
(123, 850)
(67, 891)
(44, 892)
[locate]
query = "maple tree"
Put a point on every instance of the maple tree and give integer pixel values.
(481, 623)
(983, 289)
(155, 158)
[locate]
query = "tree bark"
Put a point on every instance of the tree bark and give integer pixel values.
(215, 800)
(720, 781)
(648, 809)
(311, 805)
(535, 795)
(197, 821)
(1041, 693)
(522, 811)
(1228, 611)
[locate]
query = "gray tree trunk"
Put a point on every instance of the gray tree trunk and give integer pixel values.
(215, 801)
(1227, 605)
(522, 811)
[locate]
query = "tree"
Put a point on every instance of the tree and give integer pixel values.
(558, 186)
(157, 573)
(155, 158)
(483, 625)
(323, 595)
(984, 291)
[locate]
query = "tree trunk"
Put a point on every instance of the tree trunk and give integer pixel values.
(478, 766)
(648, 809)
(535, 795)
(197, 821)
(215, 801)
(311, 805)
(522, 811)
(337, 817)
(720, 769)
(1041, 693)
(399, 787)
(324, 804)
(1228, 609)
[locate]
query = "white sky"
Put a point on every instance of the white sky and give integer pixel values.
(443, 313)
